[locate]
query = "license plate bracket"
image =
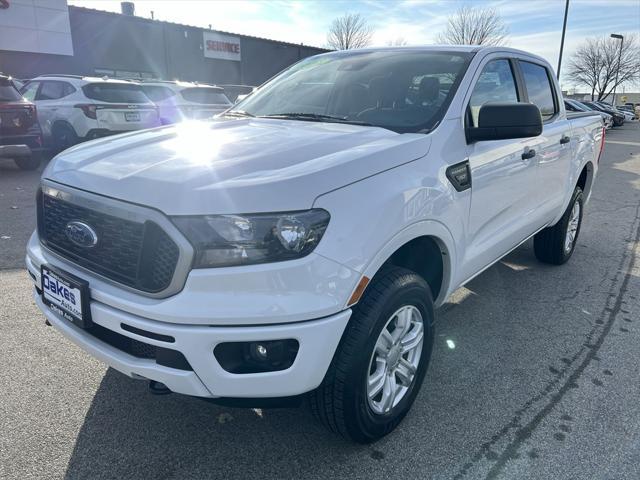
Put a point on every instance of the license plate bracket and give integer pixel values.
(67, 295)
(132, 116)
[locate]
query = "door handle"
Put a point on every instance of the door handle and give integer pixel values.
(564, 139)
(528, 153)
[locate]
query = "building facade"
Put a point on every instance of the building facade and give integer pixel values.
(50, 37)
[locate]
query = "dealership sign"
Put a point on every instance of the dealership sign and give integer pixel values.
(224, 47)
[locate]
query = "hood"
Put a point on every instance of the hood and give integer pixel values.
(233, 166)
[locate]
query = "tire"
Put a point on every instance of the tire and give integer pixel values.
(31, 162)
(63, 136)
(342, 402)
(551, 244)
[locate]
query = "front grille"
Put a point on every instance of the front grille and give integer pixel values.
(136, 254)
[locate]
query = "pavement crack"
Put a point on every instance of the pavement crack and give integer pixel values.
(522, 432)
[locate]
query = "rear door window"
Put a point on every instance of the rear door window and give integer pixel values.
(536, 80)
(495, 84)
(205, 95)
(115, 93)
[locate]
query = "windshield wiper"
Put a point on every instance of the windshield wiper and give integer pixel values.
(315, 117)
(237, 113)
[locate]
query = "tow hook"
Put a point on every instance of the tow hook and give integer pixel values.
(158, 388)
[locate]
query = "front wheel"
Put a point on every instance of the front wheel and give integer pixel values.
(63, 136)
(556, 244)
(381, 361)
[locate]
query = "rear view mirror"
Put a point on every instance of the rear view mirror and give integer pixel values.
(500, 121)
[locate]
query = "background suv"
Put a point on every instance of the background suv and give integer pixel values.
(618, 118)
(20, 137)
(179, 101)
(73, 108)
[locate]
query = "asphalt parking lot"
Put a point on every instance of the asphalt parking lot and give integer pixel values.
(542, 382)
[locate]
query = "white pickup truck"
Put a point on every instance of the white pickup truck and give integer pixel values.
(297, 245)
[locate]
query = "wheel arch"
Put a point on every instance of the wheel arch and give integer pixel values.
(62, 123)
(424, 247)
(585, 179)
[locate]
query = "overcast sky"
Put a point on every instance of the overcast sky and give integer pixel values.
(534, 25)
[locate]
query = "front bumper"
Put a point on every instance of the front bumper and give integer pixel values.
(318, 338)
(318, 341)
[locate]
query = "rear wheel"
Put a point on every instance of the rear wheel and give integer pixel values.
(381, 361)
(556, 244)
(31, 162)
(64, 136)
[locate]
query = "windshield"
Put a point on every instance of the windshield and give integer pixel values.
(401, 90)
(115, 93)
(8, 93)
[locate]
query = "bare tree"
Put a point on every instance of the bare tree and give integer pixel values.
(349, 31)
(397, 42)
(597, 60)
(474, 26)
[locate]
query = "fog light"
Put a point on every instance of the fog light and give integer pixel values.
(257, 357)
(261, 351)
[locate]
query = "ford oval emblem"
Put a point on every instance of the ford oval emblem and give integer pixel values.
(81, 234)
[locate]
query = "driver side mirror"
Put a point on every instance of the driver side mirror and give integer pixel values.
(501, 121)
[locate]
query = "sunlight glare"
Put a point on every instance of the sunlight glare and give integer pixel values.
(198, 142)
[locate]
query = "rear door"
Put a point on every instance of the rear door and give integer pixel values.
(553, 154)
(48, 103)
(502, 212)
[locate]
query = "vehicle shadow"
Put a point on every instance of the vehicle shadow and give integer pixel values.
(130, 433)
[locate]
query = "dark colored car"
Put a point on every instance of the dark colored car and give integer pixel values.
(20, 134)
(618, 118)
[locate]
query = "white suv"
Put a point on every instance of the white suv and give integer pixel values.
(73, 108)
(179, 101)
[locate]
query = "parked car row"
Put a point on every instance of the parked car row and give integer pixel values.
(59, 111)
(611, 116)
(76, 108)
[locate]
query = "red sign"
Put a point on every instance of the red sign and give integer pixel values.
(223, 46)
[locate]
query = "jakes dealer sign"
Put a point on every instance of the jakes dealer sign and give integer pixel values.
(223, 47)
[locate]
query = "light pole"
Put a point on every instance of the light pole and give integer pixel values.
(564, 29)
(621, 38)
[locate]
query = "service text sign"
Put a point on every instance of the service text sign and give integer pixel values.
(224, 47)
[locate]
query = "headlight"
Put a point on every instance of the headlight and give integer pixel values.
(227, 240)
